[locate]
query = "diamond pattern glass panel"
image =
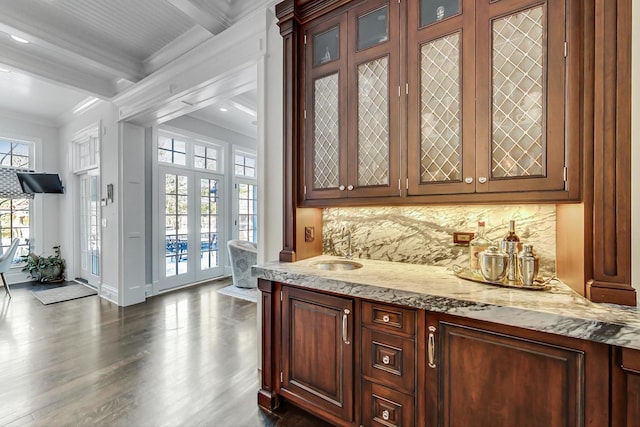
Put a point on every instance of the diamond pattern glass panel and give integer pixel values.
(325, 133)
(518, 58)
(440, 110)
(373, 123)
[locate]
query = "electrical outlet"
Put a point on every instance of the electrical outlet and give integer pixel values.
(309, 234)
(462, 238)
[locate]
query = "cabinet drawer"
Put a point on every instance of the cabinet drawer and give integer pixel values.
(389, 360)
(382, 406)
(389, 318)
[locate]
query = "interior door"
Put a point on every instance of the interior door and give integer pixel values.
(89, 228)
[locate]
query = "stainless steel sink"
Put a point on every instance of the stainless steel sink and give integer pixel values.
(336, 265)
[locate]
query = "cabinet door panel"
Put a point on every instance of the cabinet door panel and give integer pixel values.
(440, 142)
(317, 361)
(521, 120)
(494, 379)
(325, 125)
(374, 134)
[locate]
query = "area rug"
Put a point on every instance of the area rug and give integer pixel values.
(63, 293)
(248, 294)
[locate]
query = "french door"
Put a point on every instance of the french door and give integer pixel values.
(190, 221)
(89, 228)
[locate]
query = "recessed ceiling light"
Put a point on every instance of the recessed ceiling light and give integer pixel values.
(224, 110)
(18, 39)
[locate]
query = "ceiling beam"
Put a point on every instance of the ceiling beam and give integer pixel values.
(213, 24)
(57, 71)
(94, 52)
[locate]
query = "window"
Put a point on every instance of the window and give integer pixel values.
(14, 154)
(205, 157)
(248, 212)
(246, 196)
(171, 150)
(245, 165)
(15, 207)
(86, 149)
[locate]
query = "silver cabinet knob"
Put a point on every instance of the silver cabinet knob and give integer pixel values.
(482, 179)
(385, 318)
(350, 187)
(385, 415)
(341, 188)
(386, 360)
(468, 180)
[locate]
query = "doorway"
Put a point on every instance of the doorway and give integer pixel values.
(190, 227)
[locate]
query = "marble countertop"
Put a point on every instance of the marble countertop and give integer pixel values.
(559, 310)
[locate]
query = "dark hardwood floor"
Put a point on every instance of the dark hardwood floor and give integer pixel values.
(185, 358)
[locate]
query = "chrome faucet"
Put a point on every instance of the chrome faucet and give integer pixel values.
(348, 254)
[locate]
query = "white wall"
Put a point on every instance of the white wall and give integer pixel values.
(107, 114)
(635, 149)
(46, 231)
(130, 191)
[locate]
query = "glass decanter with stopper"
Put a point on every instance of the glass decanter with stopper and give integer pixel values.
(478, 244)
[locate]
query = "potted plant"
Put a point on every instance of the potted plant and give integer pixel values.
(45, 269)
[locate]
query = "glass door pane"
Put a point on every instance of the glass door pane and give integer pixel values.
(248, 212)
(176, 220)
(209, 223)
(89, 229)
(517, 147)
(373, 28)
(440, 128)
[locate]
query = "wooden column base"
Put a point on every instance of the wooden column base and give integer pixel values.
(267, 400)
(599, 292)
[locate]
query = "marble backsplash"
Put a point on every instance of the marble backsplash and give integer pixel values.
(424, 234)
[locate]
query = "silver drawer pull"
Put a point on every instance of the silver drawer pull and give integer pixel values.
(385, 415)
(345, 326)
(386, 360)
(431, 350)
(386, 318)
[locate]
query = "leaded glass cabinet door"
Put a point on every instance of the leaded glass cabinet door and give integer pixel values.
(522, 132)
(374, 105)
(441, 52)
(325, 118)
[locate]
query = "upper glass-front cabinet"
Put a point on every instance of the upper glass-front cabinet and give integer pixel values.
(485, 114)
(351, 124)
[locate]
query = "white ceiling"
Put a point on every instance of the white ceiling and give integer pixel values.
(81, 48)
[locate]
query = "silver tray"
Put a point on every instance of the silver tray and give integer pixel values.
(476, 276)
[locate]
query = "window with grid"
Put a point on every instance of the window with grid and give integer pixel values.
(245, 165)
(15, 207)
(205, 157)
(172, 150)
(248, 212)
(246, 196)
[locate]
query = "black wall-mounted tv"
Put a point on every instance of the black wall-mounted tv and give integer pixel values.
(40, 182)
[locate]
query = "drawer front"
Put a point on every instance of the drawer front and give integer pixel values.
(389, 360)
(389, 318)
(384, 407)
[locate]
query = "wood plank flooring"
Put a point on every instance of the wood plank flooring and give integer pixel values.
(185, 358)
